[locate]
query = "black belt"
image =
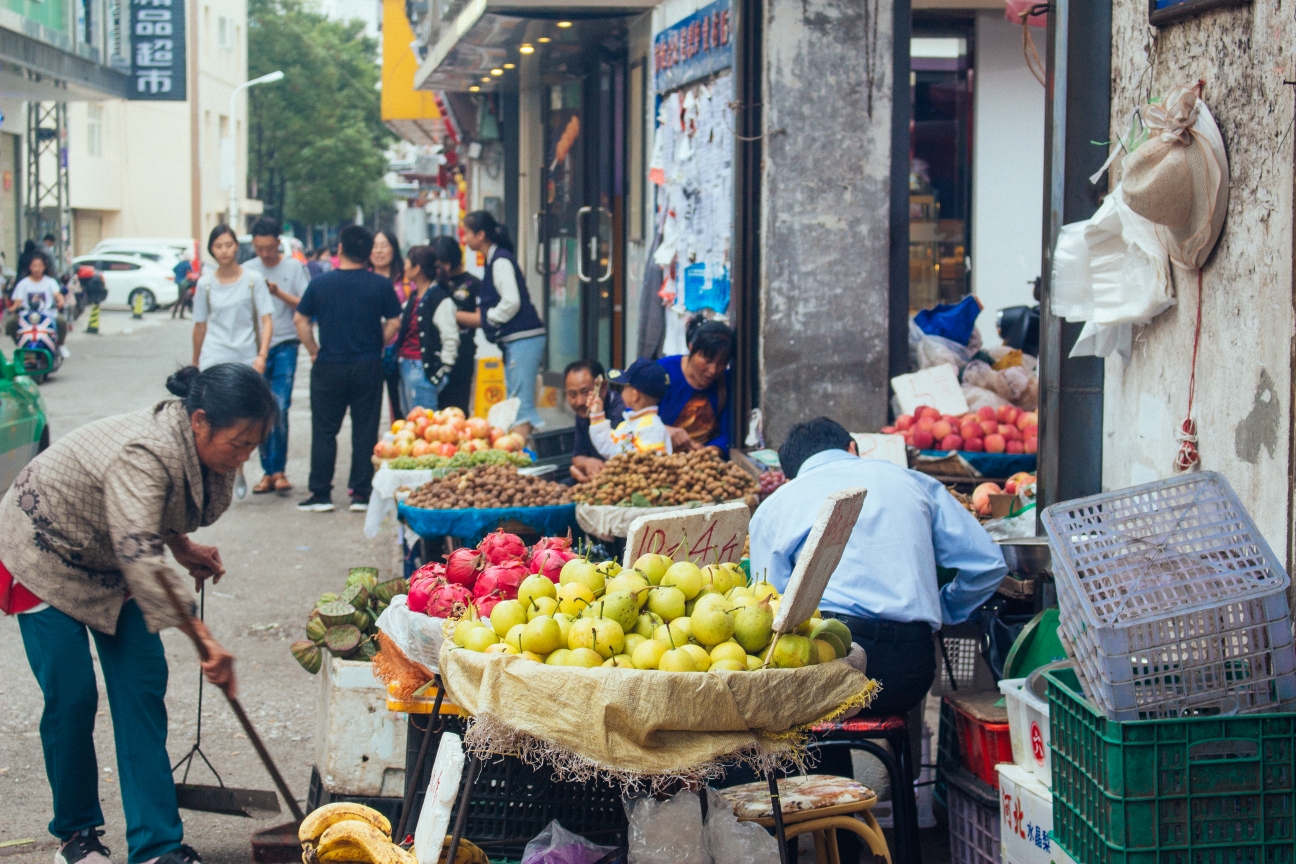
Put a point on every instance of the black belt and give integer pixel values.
(878, 630)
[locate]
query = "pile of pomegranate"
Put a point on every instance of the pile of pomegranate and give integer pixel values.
(486, 575)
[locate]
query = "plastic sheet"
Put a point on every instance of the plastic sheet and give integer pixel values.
(668, 832)
(418, 635)
(556, 845)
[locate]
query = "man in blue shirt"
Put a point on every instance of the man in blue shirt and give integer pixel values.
(885, 587)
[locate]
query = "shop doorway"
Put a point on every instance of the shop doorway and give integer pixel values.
(581, 221)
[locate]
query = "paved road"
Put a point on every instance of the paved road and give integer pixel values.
(279, 561)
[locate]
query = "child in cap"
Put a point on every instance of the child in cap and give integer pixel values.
(642, 387)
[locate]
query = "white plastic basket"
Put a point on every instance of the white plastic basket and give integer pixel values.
(1172, 602)
(1028, 728)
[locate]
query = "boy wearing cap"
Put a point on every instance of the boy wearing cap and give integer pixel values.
(642, 387)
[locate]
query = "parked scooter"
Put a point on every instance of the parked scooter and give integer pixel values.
(38, 353)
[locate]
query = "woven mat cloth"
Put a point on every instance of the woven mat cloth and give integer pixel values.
(637, 727)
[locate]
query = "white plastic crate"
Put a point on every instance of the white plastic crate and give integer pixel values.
(1028, 728)
(973, 829)
(1172, 602)
(1025, 817)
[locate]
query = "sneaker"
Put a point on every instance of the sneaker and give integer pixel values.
(359, 505)
(183, 855)
(83, 848)
(316, 504)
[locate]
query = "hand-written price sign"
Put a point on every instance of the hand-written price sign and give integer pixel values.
(819, 557)
(936, 387)
(715, 534)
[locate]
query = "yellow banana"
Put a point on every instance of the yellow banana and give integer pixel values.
(468, 852)
(362, 840)
(320, 820)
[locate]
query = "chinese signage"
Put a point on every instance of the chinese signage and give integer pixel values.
(157, 30)
(698, 46)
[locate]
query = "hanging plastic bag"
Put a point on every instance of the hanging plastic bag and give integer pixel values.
(668, 832)
(1095, 340)
(556, 845)
(1129, 267)
(1071, 288)
(734, 842)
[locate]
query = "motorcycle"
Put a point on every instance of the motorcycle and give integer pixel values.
(38, 350)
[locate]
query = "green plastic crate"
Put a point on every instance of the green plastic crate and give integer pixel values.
(1202, 790)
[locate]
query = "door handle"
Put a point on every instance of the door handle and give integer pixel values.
(606, 215)
(539, 241)
(580, 243)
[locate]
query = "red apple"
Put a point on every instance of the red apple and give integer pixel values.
(1014, 447)
(1031, 445)
(904, 421)
(931, 412)
(974, 445)
(925, 424)
(989, 427)
(951, 419)
(887, 430)
(922, 439)
(1008, 414)
(1011, 486)
(986, 412)
(941, 428)
(951, 442)
(995, 443)
(1003, 429)
(981, 497)
(921, 411)
(908, 438)
(1027, 419)
(971, 430)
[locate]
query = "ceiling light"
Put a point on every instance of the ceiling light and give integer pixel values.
(474, 89)
(509, 66)
(486, 79)
(544, 39)
(497, 72)
(564, 24)
(527, 48)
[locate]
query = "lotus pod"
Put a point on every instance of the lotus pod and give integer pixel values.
(385, 591)
(308, 655)
(368, 648)
(342, 639)
(362, 620)
(326, 598)
(366, 576)
(315, 630)
(337, 613)
(356, 595)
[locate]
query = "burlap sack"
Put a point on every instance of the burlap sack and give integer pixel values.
(637, 726)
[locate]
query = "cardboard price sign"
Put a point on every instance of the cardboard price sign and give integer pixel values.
(937, 387)
(715, 534)
(819, 557)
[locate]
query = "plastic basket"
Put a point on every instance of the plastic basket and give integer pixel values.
(1218, 790)
(1028, 726)
(973, 827)
(983, 745)
(1173, 603)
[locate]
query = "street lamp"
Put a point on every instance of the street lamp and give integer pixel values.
(228, 168)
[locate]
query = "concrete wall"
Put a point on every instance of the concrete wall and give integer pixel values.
(825, 205)
(1007, 170)
(1244, 381)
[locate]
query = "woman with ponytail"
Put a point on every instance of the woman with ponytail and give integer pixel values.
(507, 316)
(82, 537)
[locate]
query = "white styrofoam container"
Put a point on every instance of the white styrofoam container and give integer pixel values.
(1025, 817)
(1028, 728)
(359, 744)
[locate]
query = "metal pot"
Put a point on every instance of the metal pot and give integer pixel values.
(1028, 556)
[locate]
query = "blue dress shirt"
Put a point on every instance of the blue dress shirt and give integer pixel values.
(908, 525)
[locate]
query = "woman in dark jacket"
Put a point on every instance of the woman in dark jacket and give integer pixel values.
(428, 344)
(463, 288)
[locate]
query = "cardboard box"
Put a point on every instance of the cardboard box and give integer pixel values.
(1025, 817)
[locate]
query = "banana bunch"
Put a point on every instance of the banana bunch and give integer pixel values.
(349, 832)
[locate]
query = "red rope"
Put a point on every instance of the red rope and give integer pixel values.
(1188, 457)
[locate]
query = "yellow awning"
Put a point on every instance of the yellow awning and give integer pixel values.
(412, 114)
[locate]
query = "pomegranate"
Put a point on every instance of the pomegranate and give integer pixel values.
(500, 547)
(503, 579)
(550, 562)
(463, 566)
(445, 600)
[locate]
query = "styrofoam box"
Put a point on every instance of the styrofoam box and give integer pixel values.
(1028, 728)
(1025, 817)
(359, 744)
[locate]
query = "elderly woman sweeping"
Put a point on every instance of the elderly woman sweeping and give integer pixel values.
(82, 533)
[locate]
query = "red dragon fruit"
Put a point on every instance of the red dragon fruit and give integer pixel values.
(550, 562)
(446, 600)
(486, 604)
(428, 571)
(561, 544)
(500, 547)
(418, 594)
(463, 566)
(502, 579)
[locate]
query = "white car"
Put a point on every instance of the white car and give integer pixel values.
(126, 276)
(177, 246)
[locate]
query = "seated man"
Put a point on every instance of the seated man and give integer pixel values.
(885, 587)
(580, 379)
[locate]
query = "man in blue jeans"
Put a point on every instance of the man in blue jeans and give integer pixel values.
(287, 279)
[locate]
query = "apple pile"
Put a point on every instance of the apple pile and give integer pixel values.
(1023, 483)
(660, 614)
(1006, 429)
(444, 433)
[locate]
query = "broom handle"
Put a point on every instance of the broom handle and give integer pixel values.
(187, 626)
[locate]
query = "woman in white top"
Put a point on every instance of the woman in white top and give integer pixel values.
(37, 283)
(232, 309)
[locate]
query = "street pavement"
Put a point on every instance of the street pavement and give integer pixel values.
(278, 561)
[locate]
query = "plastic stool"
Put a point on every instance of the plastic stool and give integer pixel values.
(819, 804)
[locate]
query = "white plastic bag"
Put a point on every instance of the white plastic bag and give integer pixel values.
(418, 635)
(734, 842)
(1129, 266)
(668, 832)
(556, 845)
(1097, 340)
(979, 397)
(438, 801)
(1071, 288)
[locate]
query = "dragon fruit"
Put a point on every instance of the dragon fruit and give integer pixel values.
(561, 544)
(550, 562)
(502, 579)
(500, 547)
(446, 600)
(486, 604)
(463, 566)
(428, 571)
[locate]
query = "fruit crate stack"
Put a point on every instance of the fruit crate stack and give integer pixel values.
(971, 803)
(1172, 604)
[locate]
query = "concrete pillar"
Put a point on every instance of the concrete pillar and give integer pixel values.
(826, 197)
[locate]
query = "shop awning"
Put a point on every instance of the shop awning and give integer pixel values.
(480, 48)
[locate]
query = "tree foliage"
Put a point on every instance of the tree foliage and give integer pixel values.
(316, 139)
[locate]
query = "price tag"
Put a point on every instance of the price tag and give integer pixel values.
(715, 534)
(819, 557)
(936, 387)
(888, 448)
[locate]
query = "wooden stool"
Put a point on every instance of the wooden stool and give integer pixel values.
(819, 804)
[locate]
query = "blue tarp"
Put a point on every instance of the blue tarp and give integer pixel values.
(472, 525)
(993, 464)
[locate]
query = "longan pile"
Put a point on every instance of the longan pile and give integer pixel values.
(648, 480)
(488, 487)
